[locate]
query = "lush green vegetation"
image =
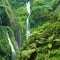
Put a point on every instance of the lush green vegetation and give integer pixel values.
(44, 40)
(6, 26)
(43, 43)
(5, 49)
(4, 45)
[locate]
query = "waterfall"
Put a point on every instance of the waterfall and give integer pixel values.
(27, 29)
(12, 48)
(28, 7)
(27, 21)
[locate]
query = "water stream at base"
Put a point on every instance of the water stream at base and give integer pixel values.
(12, 47)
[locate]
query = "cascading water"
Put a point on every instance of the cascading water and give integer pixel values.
(27, 21)
(28, 7)
(12, 48)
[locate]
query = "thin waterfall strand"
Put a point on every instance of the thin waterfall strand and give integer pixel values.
(12, 48)
(27, 21)
(27, 30)
(28, 7)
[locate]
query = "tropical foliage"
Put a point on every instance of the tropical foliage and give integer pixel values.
(43, 42)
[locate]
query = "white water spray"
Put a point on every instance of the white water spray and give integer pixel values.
(12, 48)
(27, 21)
(28, 7)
